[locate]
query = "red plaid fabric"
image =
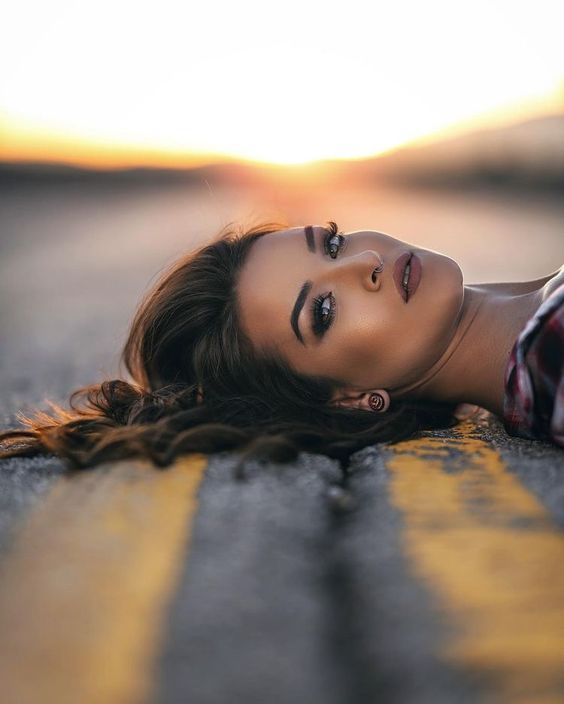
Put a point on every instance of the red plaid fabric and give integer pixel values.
(533, 404)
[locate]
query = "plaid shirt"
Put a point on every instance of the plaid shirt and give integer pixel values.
(533, 404)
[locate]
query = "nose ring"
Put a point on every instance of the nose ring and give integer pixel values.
(377, 270)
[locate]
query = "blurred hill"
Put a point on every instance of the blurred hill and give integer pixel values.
(529, 154)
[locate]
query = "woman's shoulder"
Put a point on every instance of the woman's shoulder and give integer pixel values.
(547, 283)
(554, 282)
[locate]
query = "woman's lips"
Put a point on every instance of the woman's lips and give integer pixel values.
(414, 275)
(399, 267)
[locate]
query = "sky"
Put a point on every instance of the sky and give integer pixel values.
(114, 82)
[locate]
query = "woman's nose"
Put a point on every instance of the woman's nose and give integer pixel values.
(365, 267)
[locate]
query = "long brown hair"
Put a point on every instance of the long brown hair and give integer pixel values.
(197, 384)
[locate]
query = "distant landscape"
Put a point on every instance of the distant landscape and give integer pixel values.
(527, 155)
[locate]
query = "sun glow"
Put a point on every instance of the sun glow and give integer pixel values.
(193, 84)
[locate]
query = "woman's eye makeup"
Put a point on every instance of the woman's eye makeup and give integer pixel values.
(333, 243)
(323, 312)
(323, 306)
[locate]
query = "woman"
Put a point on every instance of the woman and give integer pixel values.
(286, 339)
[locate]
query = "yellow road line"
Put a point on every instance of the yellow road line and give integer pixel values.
(494, 557)
(84, 590)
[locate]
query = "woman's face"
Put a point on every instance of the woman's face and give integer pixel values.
(354, 324)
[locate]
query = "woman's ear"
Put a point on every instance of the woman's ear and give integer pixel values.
(374, 400)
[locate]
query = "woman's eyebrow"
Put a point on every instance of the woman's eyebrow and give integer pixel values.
(297, 309)
(305, 289)
(310, 238)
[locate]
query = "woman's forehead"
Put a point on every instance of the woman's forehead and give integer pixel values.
(267, 249)
(292, 234)
(269, 282)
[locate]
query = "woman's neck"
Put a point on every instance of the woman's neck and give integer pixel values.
(472, 368)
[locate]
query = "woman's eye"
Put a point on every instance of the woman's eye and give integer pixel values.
(323, 313)
(333, 244)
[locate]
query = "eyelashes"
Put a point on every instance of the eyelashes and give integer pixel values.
(323, 313)
(333, 240)
(323, 306)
